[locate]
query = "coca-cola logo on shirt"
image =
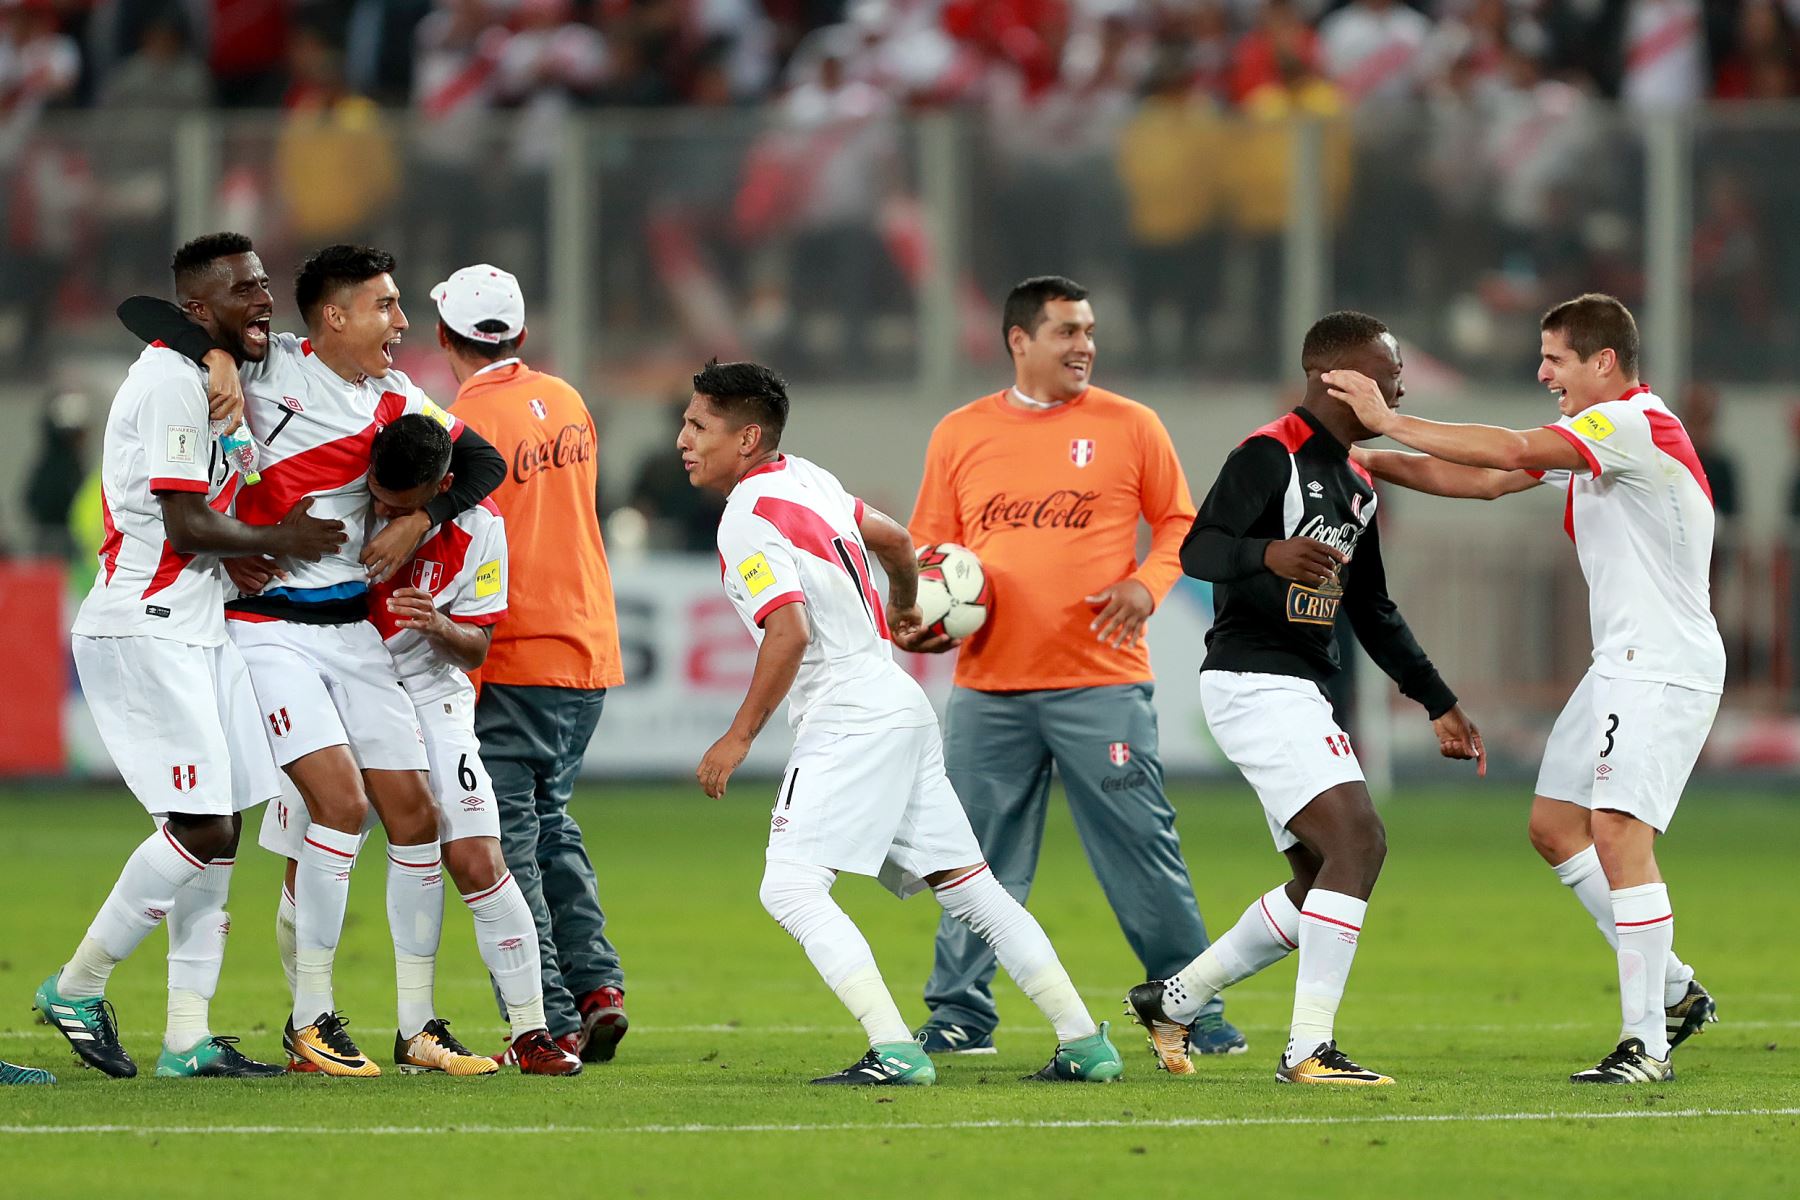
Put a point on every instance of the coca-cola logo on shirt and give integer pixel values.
(1064, 508)
(1338, 537)
(572, 444)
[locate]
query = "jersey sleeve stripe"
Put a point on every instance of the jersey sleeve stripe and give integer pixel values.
(1668, 436)
(168, 484)
(781, 601)
(1567, 436)
(487, 618)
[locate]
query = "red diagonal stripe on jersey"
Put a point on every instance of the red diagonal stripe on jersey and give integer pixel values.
(322, 469)
(1669, 436)
(449, 546)
(1569, 509)
(109, 545)
(810, 532)
(167, 568)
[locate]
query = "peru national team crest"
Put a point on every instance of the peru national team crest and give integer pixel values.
(538, 410)
(427, 575)
(1118, 753)
(1081, 451)
(186, 777)
(279, 724)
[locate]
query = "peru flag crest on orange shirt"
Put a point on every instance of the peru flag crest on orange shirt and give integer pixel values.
(1081, 451)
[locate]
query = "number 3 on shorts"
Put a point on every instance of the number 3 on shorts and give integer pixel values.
(1612, 727)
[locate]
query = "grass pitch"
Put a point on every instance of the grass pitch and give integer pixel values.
(1479, 984)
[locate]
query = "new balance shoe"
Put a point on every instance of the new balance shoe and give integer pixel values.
(537, 1053)
(603, 1023)
(11, 1073)
(1213, 1034)
(89, 1024)
(328, 1048)
(1329, 1065)
(889, 1064)
(1690, 1014)
(435, 1048)
(1628, 1063)
(1092, 1059)
(1168, 1038)
(215, 1058)
(944, 1037)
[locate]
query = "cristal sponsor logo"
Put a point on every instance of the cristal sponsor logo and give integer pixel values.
(1314, 606)
(1064, 508)
(572, 444)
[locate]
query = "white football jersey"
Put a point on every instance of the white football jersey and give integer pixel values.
(157, 440)
(789, 534)
(313, 430)
(463, 565)
(1641, 516)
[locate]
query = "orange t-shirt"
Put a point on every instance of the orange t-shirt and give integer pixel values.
(560, 628)
(1049, 501)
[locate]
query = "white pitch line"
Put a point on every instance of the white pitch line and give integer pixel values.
(905, 1126)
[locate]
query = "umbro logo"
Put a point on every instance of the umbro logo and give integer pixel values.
(778, 822)
(472, 802)
(1315, 489)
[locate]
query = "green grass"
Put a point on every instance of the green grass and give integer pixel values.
(1480, 985)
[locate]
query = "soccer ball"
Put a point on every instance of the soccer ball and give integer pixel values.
(953, 590)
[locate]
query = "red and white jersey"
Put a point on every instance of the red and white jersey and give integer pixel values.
(789, 535)
(313, 430)
(157, 441)
(1641, 516)
(463, 565)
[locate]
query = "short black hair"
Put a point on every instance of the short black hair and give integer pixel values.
(1593, 322)
(1335, 335)
(748, 393)
(412, 451)
(491, 351)
(193, 259)
(1025, 304)
(332, 268)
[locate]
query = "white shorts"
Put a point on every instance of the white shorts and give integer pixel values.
(330, 685)
(874, 804)
(459, 784)
(1279, 731)
(1627, 745)
(181, 723)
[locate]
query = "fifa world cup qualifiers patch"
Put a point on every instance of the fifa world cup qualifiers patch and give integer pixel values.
(1594, 426)
(487, 579)
(1314, 606)
(437, 414)
(757, 574)
(181, 443)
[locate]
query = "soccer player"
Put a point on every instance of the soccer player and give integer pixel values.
(555, 655)
(1288, 536)
(436, 616)
(1639, 510)
(1046, 483)
(865, 790)
(332, 707)
(170, 693)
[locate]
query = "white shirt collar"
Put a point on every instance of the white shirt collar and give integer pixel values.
(495, 366)
(1035, 405)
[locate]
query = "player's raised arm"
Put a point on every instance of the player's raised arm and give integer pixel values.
(153, 319)
(476, 469)
(1470, 445)
(1435, 477)
(785, 634)
(194, 527)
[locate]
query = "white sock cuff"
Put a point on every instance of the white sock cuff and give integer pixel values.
(1640, 907)
(171, 861)
(1280, 916)
(1335, 909)
(330, 848)
(421, 859)
(1578, 866)
(492, 897)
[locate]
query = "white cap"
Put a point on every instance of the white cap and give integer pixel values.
(481, 293)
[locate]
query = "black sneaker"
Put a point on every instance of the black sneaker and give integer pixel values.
(1628, 1063)
(887, 1065)
(1168, 1037)
(1211, 1033)
(1690, 1014)
(215, 1058)
(89, 1024)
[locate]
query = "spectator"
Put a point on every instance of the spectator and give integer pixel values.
(1761, 65)
(1372, 50)
(1665, 54)
(1279, 34)
(1734, 295)
(334, 160)
(162, 76)
(57, 474)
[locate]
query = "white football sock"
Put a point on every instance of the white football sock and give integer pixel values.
(507, 938)
(1581, 874)
(1268, 932)
(198, 926)
(798, 896)
(321, 893)
(284, 935)
(1330, 923)
(1019, 942)
(415, 906)
(1645, 925)
(145, 892)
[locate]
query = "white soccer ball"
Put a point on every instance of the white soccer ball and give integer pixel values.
(953, 590)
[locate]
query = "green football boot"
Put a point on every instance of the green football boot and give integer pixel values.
(89, 1024)
(13, 1073)
(215, 1058)
(889, 1064)
(1092, 1059)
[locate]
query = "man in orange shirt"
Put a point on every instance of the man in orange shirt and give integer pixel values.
(554, 655)
(1046, 482)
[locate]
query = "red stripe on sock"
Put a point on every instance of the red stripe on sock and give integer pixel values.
(183, 850)
(1331, 921)
(421, 865)
(1641, 924)
(328, 849)
(956, 883)
(1270, 918)
(480, 896)
(223, 862)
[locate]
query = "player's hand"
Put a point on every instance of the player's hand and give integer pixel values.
(1458, 738)
(224, 390)
(725, 756)
(413, 608)
(1124, 607)
(388, 550)
(1304, 560)
(904, 622)
(252, 574)
(306, 537)
(920, 640)
(1363, 396)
